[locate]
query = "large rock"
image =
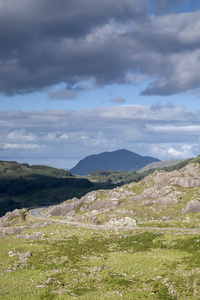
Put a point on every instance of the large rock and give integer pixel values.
(127, 221)
(10, 230)
(152, 195)
(66, 208)
(4, 221)
(192, 207)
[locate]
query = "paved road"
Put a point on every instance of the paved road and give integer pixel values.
(37, 213)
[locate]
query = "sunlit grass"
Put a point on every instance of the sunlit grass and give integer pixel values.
(76, 262)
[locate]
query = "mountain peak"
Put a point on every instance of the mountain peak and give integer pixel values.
(118, 160)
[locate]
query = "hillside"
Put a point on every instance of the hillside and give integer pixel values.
(137, 241)
(116, 177)
(158, 197)
(161, 164)
(120, 160)
(122, 177)
(22, 185)
(45, 260)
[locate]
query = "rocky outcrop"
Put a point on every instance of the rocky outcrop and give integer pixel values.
(127, 221)
(22, 262)
(10, 230)
(67, 208)
(163, 187)
(192, 207)
(159, 196)
(35, 236)
(7, 219)
(91, 202)
(148, 197)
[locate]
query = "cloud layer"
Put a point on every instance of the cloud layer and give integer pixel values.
(44, 43)
(62, 137)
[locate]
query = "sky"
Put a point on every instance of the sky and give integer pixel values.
(81, 77)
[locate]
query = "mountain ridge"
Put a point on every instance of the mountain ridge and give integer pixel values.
(119, 160)
(162, 164)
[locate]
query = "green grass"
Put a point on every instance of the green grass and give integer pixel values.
(100, 264)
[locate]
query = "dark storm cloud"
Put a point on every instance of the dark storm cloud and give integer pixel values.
(44, 43)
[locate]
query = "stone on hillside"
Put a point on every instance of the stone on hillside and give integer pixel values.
(70, 213)
(78, 218)
(164, 180)
(67, 208)
(50, 280)
(55, 211)
(6, 220)
(103, 205)
(10, 230)
(166, 218)
(187, 182)
(127, 221)
(35, 236)
(147, 202)
(12, 253)
(138, 198)
(40, 286)
(192, 207)
(73, 205)
(115, 195)
(24, 256)
(90, 197)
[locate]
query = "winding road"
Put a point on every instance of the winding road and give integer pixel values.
(37, 213)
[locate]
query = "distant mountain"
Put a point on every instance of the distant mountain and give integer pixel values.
(120, 160)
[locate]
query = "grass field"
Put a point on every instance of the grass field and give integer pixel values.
(69, 262)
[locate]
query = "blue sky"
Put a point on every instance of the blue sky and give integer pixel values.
(84, 77)
(111, 95)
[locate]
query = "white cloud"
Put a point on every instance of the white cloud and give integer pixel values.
(21, 136)
(22, 146)
(195, 129)
(174, 151)
(63, 135)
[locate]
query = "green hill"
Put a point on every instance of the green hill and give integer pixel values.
(22, 185)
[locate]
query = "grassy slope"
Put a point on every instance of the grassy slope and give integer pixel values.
(42, 185)
(100, 265)
(155, 214)
(71, 262)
